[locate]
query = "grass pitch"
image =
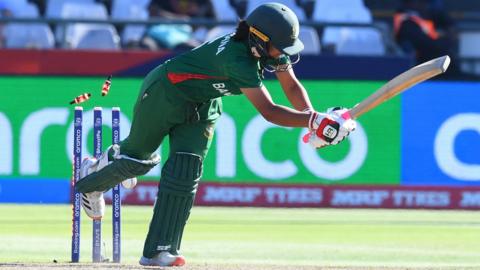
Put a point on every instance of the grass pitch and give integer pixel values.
(34, 236)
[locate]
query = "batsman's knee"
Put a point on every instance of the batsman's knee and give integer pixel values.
(182, 172)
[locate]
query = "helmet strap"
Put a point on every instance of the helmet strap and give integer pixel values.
(255, 52)
(258, 42)
(276, 67)
(297, 59)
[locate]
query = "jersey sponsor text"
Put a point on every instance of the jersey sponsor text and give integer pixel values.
(220, 87)
(224, 42)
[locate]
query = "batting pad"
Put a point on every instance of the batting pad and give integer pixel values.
(178, 185)
(117, 171)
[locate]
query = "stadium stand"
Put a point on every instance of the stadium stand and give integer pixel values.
(223, 11)
(360, 41)
(218, 31)
(178, 24)
(468, 50)
(54, 7)
(346, 27)
(131, 10)
(309, 37)
(459, 10)
(252, 4)
(15, 6)
(464, 15)
(27, 35)
(93, 36)
(352, 11)
(88, 36)
(348, 40)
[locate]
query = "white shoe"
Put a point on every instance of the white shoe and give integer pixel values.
(92, 202)
(163, 258)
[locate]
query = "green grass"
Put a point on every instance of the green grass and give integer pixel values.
(324, 237)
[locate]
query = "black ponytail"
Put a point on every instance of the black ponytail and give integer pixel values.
(242, 31)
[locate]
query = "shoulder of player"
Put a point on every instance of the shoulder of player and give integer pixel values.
(238, 54)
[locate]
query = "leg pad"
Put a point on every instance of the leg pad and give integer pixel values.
(176, 192)
(122, 167)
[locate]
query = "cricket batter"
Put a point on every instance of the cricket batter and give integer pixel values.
(182, 99)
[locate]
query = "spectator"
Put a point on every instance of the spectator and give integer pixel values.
(427, 32)
(178, 35)
(5, 11)
(444, 23)
(181, 9)
(41, 5)
(416, 32)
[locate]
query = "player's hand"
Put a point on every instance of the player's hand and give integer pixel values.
(329, 128)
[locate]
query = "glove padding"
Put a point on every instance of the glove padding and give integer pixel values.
(329, 128)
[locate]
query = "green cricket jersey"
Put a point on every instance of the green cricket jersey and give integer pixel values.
(214, 69)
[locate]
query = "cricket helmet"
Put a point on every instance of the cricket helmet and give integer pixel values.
(277, 24)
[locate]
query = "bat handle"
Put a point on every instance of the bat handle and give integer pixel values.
(347, 115)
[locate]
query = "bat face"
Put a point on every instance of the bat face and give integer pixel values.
(399, 84)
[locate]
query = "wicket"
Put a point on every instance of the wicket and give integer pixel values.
(116, 200)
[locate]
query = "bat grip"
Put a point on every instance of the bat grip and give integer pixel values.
(346, 115)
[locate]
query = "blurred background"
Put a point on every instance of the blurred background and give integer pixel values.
(416, 151)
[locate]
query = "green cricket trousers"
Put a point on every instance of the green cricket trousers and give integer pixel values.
(160, 111)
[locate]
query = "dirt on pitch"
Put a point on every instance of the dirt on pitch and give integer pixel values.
(107, 266)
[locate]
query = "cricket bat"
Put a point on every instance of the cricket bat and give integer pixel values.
(396, 86)
(399, 84)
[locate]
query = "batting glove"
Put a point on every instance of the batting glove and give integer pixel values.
(329, 128)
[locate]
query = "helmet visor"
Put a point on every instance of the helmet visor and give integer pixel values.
(292, 49)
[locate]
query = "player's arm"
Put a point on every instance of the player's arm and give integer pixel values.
(274, 113)
(294, 90)
(327, 128)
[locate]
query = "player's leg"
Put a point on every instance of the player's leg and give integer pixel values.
(181, 173)
(154, 114)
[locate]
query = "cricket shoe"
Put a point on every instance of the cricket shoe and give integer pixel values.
(163, 258)
(92, 202)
